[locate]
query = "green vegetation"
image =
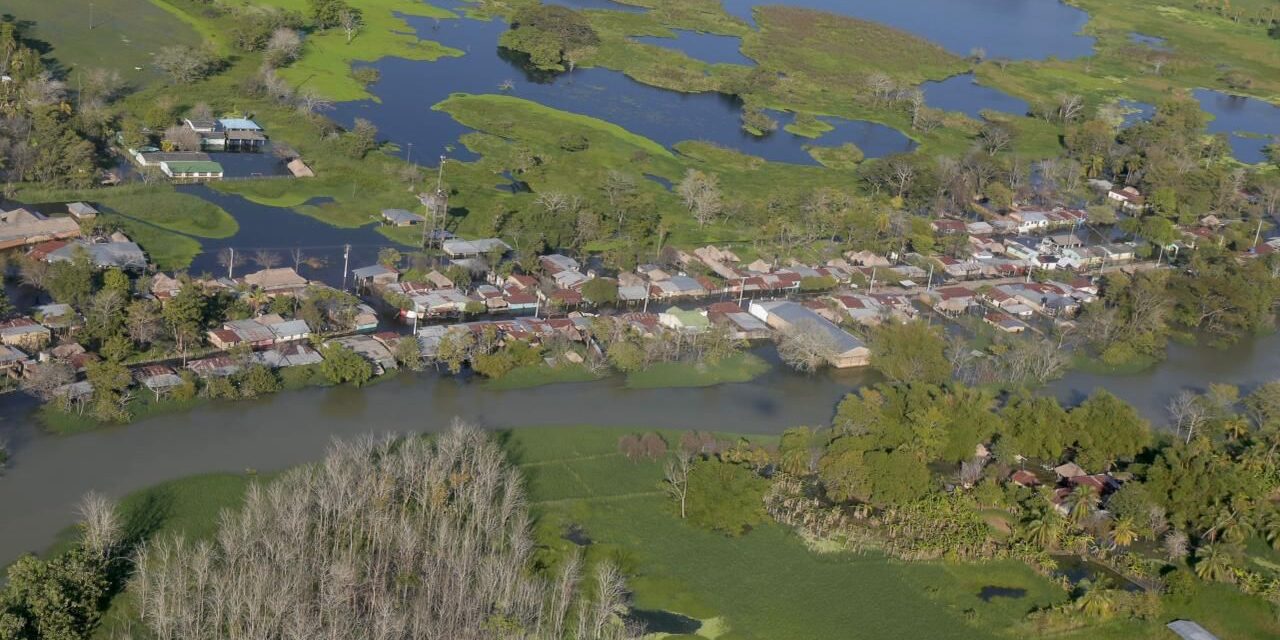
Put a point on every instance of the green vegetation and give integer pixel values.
(740, 367)
(130, 30)
(530, 376)
(846, 156)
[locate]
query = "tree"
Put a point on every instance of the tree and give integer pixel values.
(910, 352)
(1097, 601)
(184, 315)
(284, 47)
(408, 354)
(806, 346)
(1213, 563)
(1108, 429)
(726, 498)
(1124, 532)
(351, 22)
(42, 381)
(326, 14)
(342, 365)
(701, 194)
(256, 380)
(600, 291)
(181, 138)
(676, 479)
(185, 64)
(361, 139)
(455, 349)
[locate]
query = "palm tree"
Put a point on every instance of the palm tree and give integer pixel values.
(1124, 532)
(1098, 601)
(1271, 529)
(1235, 428)
(1081, 503)
(1213, 563)
(1046, 530)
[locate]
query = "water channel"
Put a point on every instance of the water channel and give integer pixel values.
(49, 474)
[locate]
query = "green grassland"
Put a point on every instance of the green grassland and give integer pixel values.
(327, 57)
(741, 367)
(124, 34)
(764, 584)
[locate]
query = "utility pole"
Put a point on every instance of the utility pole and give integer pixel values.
(91, 16)
(872, 287)
(1257, 235)
(231, 265)
(409, 159)
(928, 286)
(346, 255)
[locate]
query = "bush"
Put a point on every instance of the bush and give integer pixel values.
(1181, 582)
(366, 75)
(725, 498)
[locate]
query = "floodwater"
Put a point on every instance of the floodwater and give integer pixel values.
(49, 474)
(279, 231)
(1251, 124)
(1013, 29)
(708, 47)
(962, 93)
(39, 491)
(408, 89)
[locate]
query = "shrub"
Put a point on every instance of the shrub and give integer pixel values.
(725, 498)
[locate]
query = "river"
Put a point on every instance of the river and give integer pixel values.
(49, 474)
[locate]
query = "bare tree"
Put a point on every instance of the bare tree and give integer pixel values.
(351, 22)
(184, 64)
(266, 258)
(402, 538)
(309, 101)
(806, 346)
(100, 526)
(298, 257)
(44, 380)
(284, 46)
(701, 194)
(1187, 412)
(181, 138)
(676, 477)
(228, 258)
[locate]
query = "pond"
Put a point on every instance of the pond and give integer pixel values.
(963, 94)
(1152, 42)
(1077, 569)
(1014, 29)
(407, 90)
(1251, 124)
(708, 47)
(991, 592)
(596, 4)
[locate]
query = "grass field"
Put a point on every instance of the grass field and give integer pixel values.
(741, 367)
(764, 584)
(540, 375)
(130, 30)
(167, 224)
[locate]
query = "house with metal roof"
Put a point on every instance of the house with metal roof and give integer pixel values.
(401, 217)
(121, 254)
(192, 169)
(782, 315)
(471, 248)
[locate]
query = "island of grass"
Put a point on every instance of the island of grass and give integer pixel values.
(739, 367)
(528, 377)
(694, 583)
(166, 223)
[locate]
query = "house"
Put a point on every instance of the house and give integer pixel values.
(288, 330)
(216, 366)
(375, 275)
(437, 303)
(866, 258)
(1029, 221)
(569, 279)
(21, 227)
(282, 280)
(247, 332)
(677, 287)
(158, 378)
(677, 319)
(56, 315)
(1128, 197)
(949, 227)
(152, 157)
(12, 361)
(554, 264)
(365, 319)
(81, 211)
(299, 169)
(242, 134)
(370, 349)
(120, 253)
(1024, 478)
(401, 218)
(864, 310)
(953, 300)
(1069, 470)
(848, 351)
(291, 354)
(738, 323)
(1116, 252)
(193, 170)
(472, 248)
(1004, 322)
(979, 228)
(24, 333)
